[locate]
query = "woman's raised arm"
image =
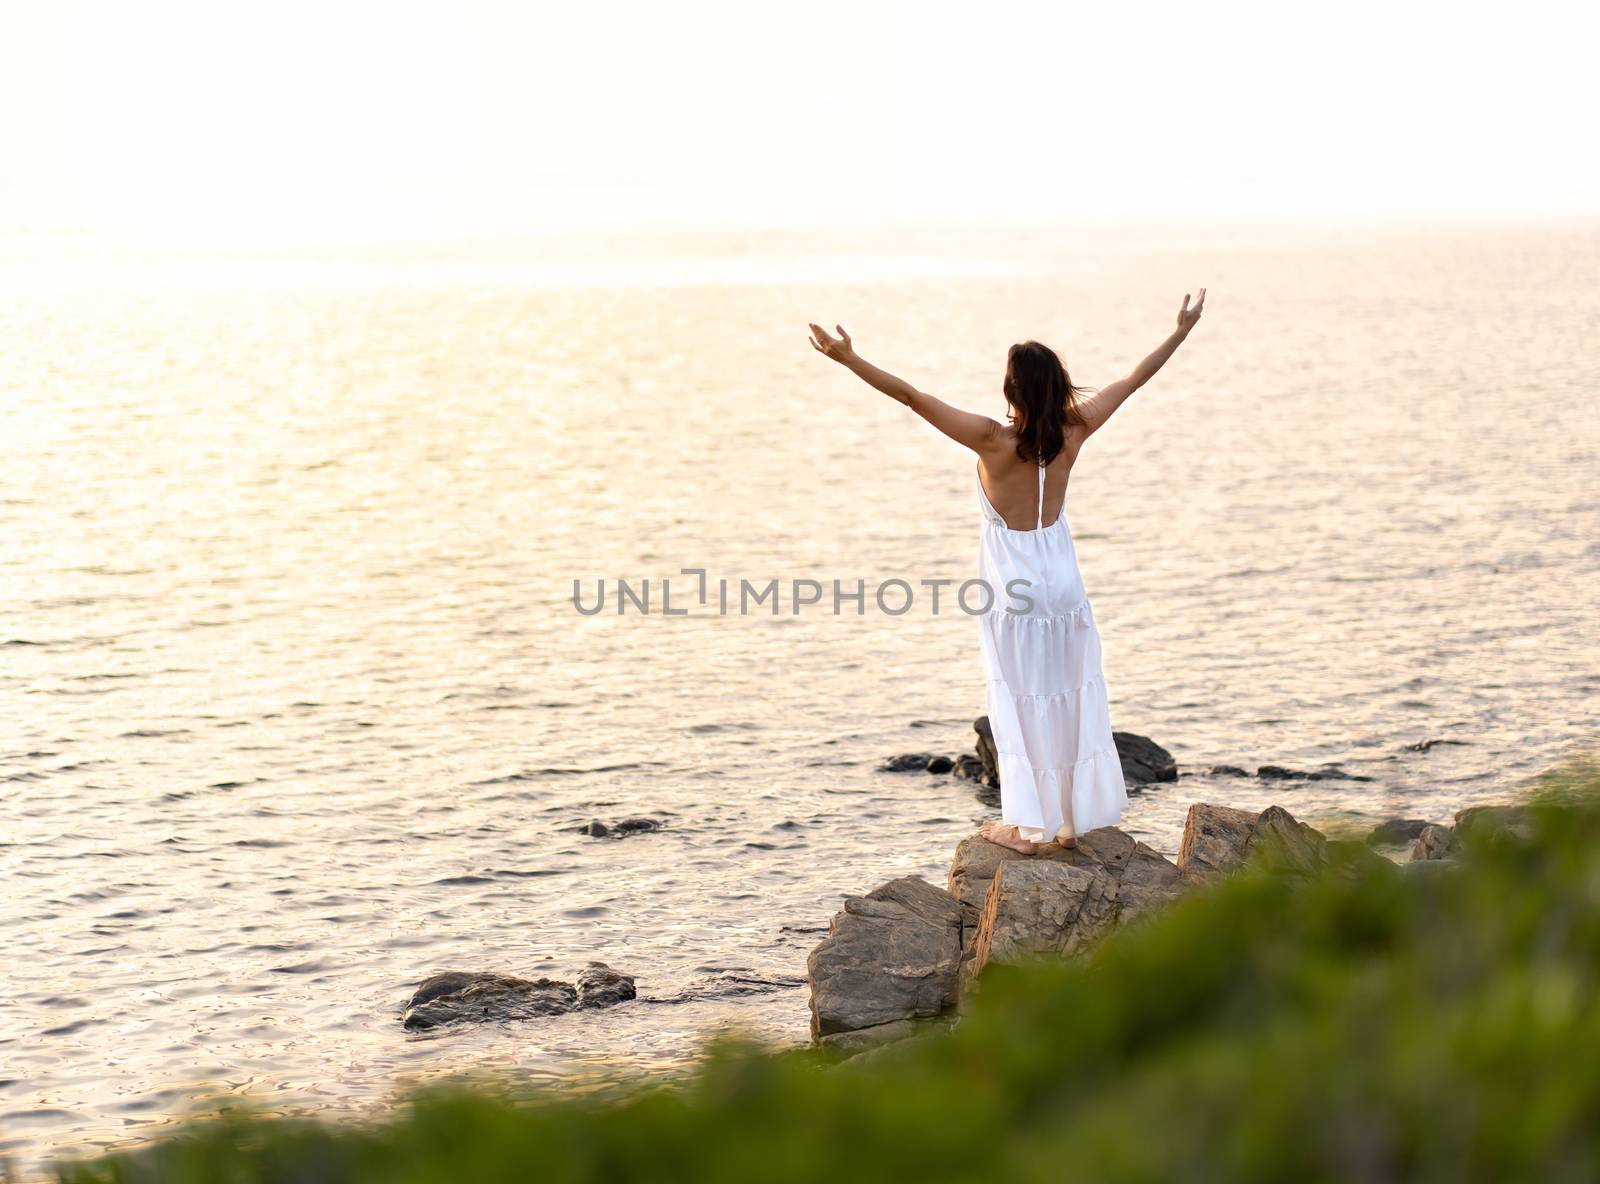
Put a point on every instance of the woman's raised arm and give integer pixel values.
(977, 432)
(1098, 407)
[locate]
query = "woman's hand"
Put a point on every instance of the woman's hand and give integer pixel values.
(1189, 317)
(839, 350)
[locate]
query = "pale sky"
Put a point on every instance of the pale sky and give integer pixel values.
(350, 122)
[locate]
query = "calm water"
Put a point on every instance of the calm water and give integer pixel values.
(295, 708)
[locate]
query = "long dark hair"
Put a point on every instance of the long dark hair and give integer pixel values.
(1043, 401)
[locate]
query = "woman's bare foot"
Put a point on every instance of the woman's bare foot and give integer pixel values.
(1007, 835)
(1066, 838)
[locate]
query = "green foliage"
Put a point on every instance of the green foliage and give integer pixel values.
(1369, 1023)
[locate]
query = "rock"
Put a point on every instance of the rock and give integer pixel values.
(910, 762)
(973, 867)
(941, 764)
(629, 826)
(1330, 772)
(1279, 773)
(1510, 820)
(1425, 745)
(874, 1037)
(1396, 832)
(968, 767)
(1435, 842)
(1062, 898)
(1214, 839)
(889, 955)
(1285, 845)
(1227, 771)
(988, 761)
(456, 996)
(619, 830)
(600, 986)
(1143, 760)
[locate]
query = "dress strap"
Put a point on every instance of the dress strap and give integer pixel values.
(1041, 496)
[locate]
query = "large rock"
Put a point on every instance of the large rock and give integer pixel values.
(1217, 839)
(1106, 849)
(1062, 899)
(1214, 839)
(455, 996)
(889, 955)
(1143, 760)
(1042, 907)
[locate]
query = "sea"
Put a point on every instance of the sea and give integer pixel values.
(303, 697)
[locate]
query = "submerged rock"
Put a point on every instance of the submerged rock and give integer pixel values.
(968, 767)
(618, 830)
(889, 955)
(941, 764)
(455, 996)
(910, 762)
(600, 986)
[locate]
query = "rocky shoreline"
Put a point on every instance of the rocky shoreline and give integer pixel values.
(908, 953)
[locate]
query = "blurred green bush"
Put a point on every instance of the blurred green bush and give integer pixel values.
(1373, 1023)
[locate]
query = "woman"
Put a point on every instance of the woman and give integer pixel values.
(1060, 775)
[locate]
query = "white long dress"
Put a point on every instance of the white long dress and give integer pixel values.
(1059, 769)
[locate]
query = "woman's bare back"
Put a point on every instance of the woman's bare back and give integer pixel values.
(1012, 484)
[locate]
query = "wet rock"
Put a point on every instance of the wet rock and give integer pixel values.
(1510, 820)
(910, 762)
(988, 761)
(455, 997)
(1434, 843)
(600, 986)
(1425, 745)
(1331, 772)
(1396, 832)
(968, 767)
(619, 830)
(1227, 771)
(889, 955)
(1214, 839)
(1144, 762)
(941, 764)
